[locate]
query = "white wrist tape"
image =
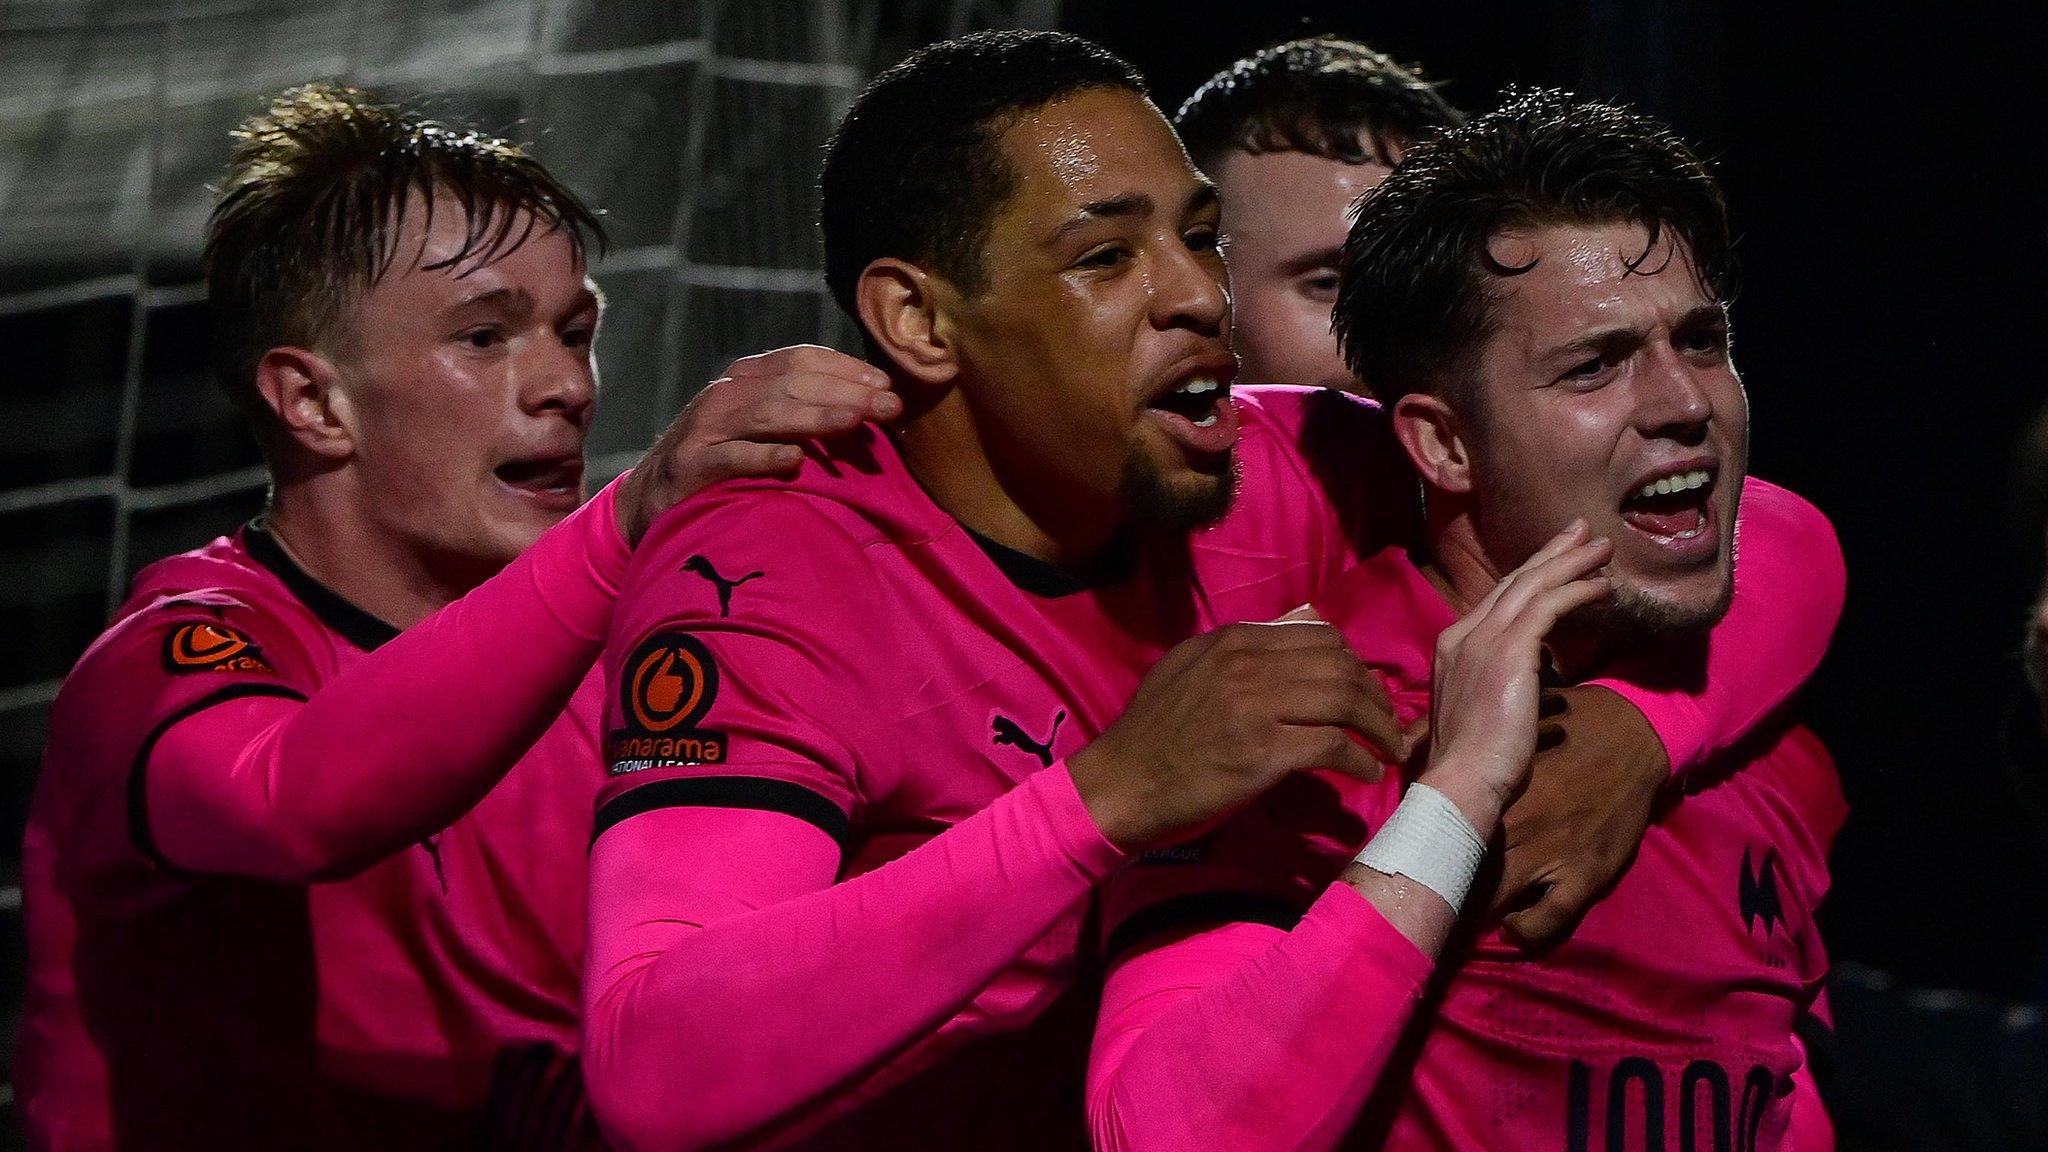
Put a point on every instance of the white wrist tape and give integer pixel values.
(1429, 841)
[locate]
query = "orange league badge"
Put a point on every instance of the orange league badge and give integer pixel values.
(669, 686)
(212, 648)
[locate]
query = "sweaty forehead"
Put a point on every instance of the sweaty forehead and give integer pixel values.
(1093, 145)
(1593, 275)
(1298, 199)
(537, 261)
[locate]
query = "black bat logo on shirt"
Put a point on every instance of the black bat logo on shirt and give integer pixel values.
(702, 567)
(1756, 894)
(1008, 731)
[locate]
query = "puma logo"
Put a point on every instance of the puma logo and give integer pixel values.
(1007, 731)
(702, 567)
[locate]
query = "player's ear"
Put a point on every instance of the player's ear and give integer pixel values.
(903, 308)
(300, 389)
(1434, 438)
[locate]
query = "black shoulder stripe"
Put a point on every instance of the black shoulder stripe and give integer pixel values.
(1201, 910)
(138, 790)
(755, 792)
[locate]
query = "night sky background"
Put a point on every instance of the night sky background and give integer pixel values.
(1887, 178)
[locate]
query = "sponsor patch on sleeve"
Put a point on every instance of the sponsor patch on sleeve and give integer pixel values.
(212, 647)
(665, 690)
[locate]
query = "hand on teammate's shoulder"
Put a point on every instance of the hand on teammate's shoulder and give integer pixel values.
(752, 421)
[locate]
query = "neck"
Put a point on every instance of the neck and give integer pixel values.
(944, 445)
(1458, 565)
(1456, 562)
(321, 523)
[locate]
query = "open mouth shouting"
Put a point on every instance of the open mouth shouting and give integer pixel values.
(1673, 507)
(553, 482)
(1193, 407)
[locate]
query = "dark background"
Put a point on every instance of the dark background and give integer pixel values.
(1887, 177)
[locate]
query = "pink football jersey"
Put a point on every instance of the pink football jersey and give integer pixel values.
(809, 682)
(174, 1000)
(1665, 1021)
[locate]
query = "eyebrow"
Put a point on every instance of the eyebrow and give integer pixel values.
(1308, 261)
(1116, 207)
(1608, 341)
(1704, 314)
(1133, 204)
(503, 298)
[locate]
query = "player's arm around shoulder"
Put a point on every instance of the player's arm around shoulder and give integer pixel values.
(1790, 582)
(1654, 715)
(1321, 470)
(1790, 585)
(753, 421)
(1800, 545)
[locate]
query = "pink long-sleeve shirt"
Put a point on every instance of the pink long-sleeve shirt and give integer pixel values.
(840, 873)
(281, 889)
(1232, 1018)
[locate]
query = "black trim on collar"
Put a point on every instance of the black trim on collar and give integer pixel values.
(139, 833)
(1050, 581)
(355, 625)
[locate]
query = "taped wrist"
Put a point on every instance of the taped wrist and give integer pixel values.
(1429, 841)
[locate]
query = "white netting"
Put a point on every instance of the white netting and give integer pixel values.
(695, 124)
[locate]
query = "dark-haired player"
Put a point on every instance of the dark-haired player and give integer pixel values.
(1539, 294)
(281, 890)
(1293, 135)
(859, 805)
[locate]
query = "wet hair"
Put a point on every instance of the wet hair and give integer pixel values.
(312, 204)
(915, 170)
(1333, 98)
(1417, 279)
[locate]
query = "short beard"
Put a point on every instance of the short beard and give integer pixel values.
(1632, 617)
(1150, 500)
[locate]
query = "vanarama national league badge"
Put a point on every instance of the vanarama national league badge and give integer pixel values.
(667, 689)
(204, 647)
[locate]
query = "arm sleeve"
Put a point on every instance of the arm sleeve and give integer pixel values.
(1789, 587)
(1321, 479)
(737, 989)
(1250, 1002)
(295, 785)
(1247, 1036)
(733, 989)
